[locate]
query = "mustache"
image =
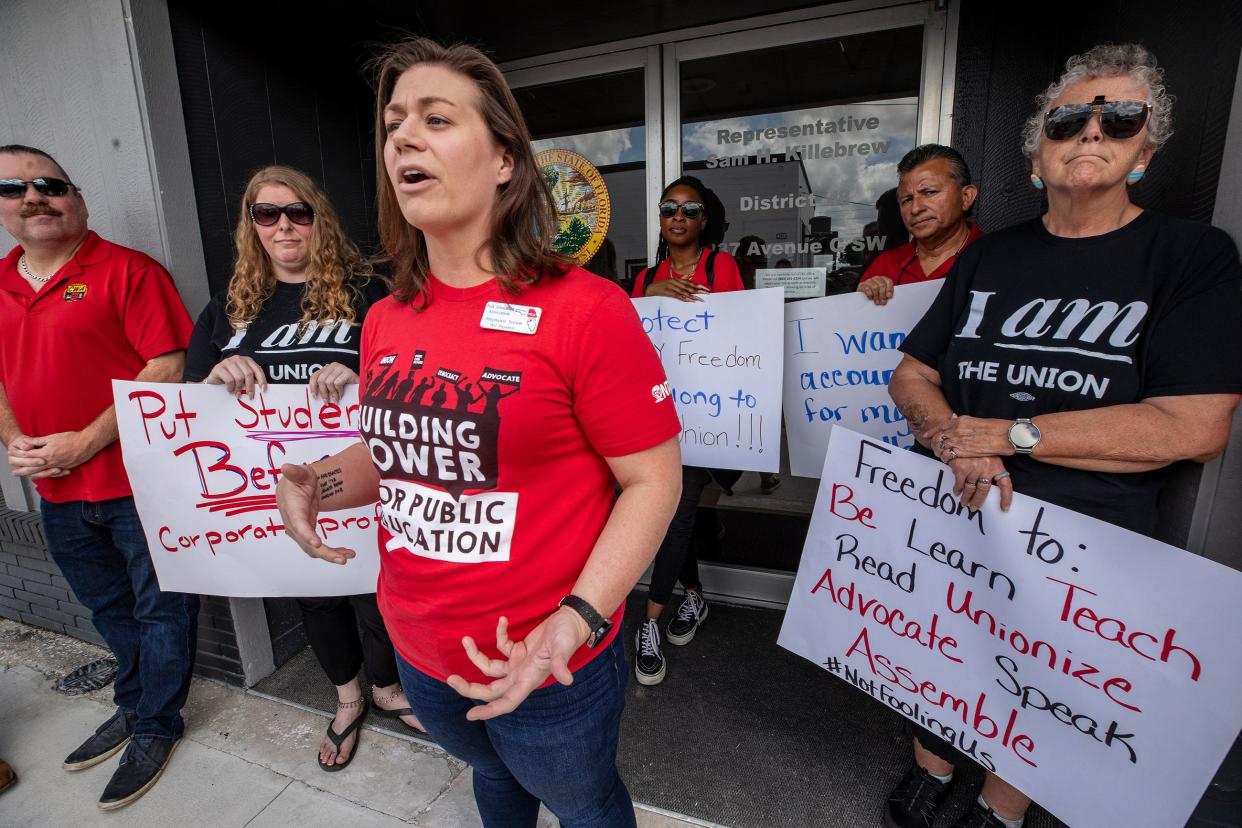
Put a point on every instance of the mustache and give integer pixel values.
(38, 210)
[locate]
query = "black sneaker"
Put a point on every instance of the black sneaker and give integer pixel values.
(914, 801)
(110, 737)
(141, 765)
(649, 664)
(691, 613)
(979, 817)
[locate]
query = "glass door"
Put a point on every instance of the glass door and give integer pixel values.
(798, 130)
(797, 121)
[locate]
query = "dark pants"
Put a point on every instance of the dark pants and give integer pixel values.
(101, 549)
(558, 747)
(331, 626)
(938, 747)
(676, 559)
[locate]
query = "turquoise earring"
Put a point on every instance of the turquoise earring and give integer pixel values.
(1037, 182)
(1136, 175)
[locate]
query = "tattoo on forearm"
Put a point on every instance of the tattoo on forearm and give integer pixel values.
(916, 415)
(330, 483)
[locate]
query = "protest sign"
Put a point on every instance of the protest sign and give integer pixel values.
(797, 282)
(204, 465)
(723, 360)
(840, 352)
(1093, 668)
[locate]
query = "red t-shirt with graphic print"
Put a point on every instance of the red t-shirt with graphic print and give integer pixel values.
(490, 445)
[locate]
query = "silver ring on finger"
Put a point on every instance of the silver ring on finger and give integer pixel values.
(971, 483)
(983, 481)
(1000, 476)
(952, 454)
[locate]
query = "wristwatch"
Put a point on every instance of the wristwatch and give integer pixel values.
(599, 625)
(1024, 436)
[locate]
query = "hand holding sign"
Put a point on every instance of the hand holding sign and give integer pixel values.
(878, 289)
(298, 498)
(237, 374)
(975, 477)
(328, 383)
(678, 287)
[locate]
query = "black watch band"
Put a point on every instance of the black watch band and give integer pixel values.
(598, 624)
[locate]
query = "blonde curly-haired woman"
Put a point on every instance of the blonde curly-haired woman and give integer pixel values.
(293, 313)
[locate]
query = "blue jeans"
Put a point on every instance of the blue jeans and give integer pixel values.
(103, 554)
(558, 747)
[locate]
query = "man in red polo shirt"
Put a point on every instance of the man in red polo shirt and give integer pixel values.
(934, 194)
(76, 312)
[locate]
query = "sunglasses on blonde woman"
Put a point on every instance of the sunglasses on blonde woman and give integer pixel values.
(299, 212)
(1118, 119)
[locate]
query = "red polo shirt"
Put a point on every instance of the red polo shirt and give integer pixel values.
(103, 316)
(902, 265)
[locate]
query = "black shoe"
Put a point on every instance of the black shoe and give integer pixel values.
(141, 765)
(649, 664)
(769, 483)
(691, 613)
(914, 801)
(979, 817)
(108, 739)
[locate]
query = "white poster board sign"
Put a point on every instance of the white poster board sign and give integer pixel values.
(797, 282)
(1093, 668)
(204, 466)
(723, 359)
(840, 352)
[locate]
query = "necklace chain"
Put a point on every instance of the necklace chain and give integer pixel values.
(965, 239)
(693, 267)
(30, 274)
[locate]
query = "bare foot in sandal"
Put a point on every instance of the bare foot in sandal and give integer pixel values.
(346, 714)
(391, 699)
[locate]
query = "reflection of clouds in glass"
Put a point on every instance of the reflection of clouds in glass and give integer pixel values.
(615, 146)
(849, 186)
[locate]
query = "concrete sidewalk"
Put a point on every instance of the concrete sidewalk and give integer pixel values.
(245, 761)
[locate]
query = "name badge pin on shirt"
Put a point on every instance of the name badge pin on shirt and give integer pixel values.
(502, 316)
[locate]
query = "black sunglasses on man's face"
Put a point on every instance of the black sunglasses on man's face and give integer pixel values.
(16, 187)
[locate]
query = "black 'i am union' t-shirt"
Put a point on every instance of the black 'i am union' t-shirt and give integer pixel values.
(1029, 323)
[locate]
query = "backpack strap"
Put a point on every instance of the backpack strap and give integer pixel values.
(711, 270)
(641, 281)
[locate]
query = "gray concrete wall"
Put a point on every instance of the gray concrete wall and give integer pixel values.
(95, 84)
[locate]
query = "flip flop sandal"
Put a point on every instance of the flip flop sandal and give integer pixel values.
(397, 713)
(338, 738)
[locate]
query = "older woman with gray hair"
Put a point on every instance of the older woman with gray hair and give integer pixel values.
(1076, 356)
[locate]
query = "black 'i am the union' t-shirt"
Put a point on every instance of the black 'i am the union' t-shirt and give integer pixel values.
(1029, 323)
(273, 340)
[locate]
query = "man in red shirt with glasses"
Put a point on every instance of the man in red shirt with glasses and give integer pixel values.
(76, 312)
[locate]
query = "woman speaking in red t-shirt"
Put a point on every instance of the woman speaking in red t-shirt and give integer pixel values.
(505, 394)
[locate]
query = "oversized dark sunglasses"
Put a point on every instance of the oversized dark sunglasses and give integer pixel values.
(299, 212)
(689, 209)
(1118, 119)
(16, 187)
